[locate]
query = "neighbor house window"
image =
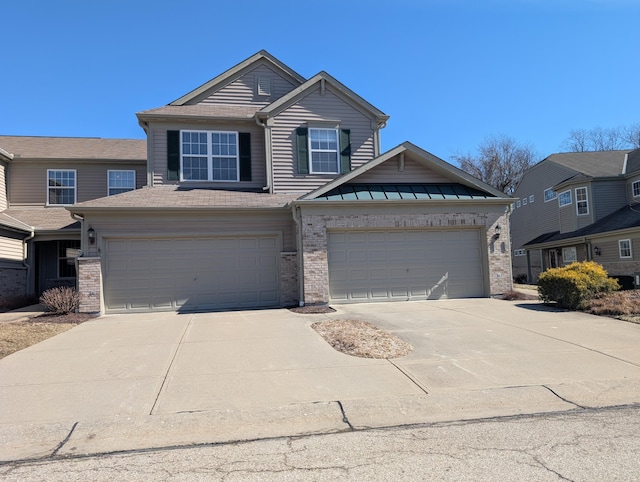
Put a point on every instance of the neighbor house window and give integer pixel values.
(636, 188)
(564, 198)
(120, 181)
(323, 149)
(68, 251)
(531, 199)
(582, 204)
(518, 204)
(209, 156)
(520, 252)
(549, 195)
(524, 201)
(624, 245)
(61, 186)
(569, 255)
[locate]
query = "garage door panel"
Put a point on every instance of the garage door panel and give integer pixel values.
(405, 264)
(197, 273)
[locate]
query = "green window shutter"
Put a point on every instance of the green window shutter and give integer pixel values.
(302, 134)
(345, 151)
(173, 155)
(244, 149)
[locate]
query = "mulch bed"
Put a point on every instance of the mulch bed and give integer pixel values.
(312, 309)
(73, 318)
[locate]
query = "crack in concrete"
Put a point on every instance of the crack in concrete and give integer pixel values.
(564, 399)
(345, 419)
(64, 441)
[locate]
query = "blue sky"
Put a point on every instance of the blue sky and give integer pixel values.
(448, 72)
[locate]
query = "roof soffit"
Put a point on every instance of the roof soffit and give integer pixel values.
(418, 155)
(312, 85)
(215, 84)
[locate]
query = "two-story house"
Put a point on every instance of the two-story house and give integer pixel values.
(575, 207)
(268, 189)
(39, 176)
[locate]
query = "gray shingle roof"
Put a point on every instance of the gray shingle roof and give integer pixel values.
(26, 147)
(40, 218)
(593, 164)
(220, 111)
(168, 197)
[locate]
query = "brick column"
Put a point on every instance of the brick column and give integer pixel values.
(289, 279)
(500, 274)
(90, 285)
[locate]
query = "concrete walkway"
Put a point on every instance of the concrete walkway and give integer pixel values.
(125, 382)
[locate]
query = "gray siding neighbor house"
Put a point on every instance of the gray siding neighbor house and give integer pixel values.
(266, 189)
(575, 207)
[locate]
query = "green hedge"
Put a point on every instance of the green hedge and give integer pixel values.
(574, 285)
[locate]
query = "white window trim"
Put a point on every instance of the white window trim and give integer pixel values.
(633, 185)
(554, 194)
(109, 171)
(337, 151)
(620, 248)
(75, 186)
(210, 157)
(568, 191)
(569, 259)
(585, 201)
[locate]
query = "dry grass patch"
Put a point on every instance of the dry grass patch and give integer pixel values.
(621, 304)
(517, 295)
(361, 339)
(17, 335)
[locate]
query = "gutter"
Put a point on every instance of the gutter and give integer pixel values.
(297, 218)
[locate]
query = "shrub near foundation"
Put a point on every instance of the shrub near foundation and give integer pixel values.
(60, 300)
(573, 286)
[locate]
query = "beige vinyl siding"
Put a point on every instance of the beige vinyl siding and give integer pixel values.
(413, 172)
(608, 196)
(3, 186)
(243, 90)
(11, 249)
(197, 223)
(316, 108)
(28, 184)
(158, 153)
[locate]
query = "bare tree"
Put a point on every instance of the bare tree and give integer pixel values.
(601, 139)
(500, 162)
(631, 135)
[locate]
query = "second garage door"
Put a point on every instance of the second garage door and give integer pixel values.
(191, 273)
(404, 265)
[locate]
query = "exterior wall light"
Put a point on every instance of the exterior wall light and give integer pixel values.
(498, 230)
(597, 251)
(91, 233)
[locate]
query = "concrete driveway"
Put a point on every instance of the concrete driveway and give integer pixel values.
(122, 382)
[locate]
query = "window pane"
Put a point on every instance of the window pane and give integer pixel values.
(195, 168)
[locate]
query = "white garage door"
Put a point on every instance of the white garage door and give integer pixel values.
(191, 273)
(405, 265)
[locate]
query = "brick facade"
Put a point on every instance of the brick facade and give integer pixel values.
(289, 279)
(90, 285)
(314, 250)
(13, 281)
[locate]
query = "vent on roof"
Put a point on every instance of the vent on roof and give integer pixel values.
(264, 86)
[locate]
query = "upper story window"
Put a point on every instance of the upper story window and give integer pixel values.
(564, 198)
(549, 195)
(531, 198)
(120, 181)
(209, 156)
(582, 203)
(636, 188)
(624, 246)
(61, 186)
(323, 149)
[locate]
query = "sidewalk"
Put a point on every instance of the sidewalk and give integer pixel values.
(22, 313)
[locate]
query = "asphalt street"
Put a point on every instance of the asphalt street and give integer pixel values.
(580, 445)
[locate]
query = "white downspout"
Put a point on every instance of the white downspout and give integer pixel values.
(267, 154)
(25, 252)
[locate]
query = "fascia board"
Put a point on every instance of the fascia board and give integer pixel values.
(235, 72)
(5, 154)
(302, 91)
(194, 118)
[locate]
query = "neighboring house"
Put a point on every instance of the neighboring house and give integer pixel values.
(575, 207)
(39, 177)
(269, 189)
